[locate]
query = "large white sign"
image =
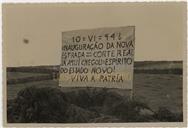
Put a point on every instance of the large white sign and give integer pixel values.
(102, 57)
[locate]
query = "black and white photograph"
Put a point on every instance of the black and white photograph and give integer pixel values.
(94, 63)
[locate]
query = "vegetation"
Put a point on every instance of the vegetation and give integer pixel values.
(51, 105)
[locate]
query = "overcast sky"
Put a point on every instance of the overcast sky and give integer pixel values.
(160, 29)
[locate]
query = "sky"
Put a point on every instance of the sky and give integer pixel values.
(160, 29)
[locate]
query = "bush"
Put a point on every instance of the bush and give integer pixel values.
(40, 105)
(165, 115)
(95, 99)
(51, 105)
(130, 111)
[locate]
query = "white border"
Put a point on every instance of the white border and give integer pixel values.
(1, 71)
(65, 1)
(76, 1)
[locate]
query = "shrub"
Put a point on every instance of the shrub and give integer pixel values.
(129, 111)
(51, 105)
(38, 105)
(165, 115)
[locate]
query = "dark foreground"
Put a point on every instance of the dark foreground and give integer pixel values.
(34, 97)
(91, 105)
(157, 98)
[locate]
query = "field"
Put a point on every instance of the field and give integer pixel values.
(17, 75)
(156, 89)
(158, 65)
